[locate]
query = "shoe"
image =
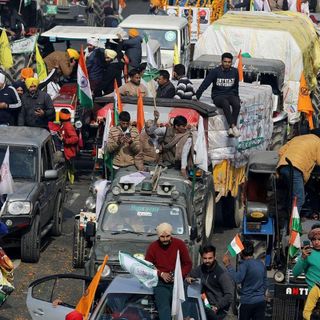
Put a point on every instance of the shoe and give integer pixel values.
(236, 132)
(230, 133)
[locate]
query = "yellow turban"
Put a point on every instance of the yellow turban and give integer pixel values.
(110, 53)
(133, 32)
(164, 228)
(32, 82)
(155, 3)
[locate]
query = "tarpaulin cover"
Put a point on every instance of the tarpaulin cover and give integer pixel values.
(286, 36)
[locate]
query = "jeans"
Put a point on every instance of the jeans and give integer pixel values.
(227, 103)
(163, 299)
(214, 316)
(297, 184)
(253, 311)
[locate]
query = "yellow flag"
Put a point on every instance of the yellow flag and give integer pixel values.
(176, 56)
(304, 100)
(6, 60)
(85, 303)
(41, 66)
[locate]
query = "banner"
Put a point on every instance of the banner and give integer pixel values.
(25, 45)
(143, 270)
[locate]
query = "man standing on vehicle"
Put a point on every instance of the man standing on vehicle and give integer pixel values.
(225, 91)
(9, 103)
(252, 275)
(298, 157)
(217, 286)
(165, 87)
(163, 253)
(124, 144)
(37, 106)
(133, 87)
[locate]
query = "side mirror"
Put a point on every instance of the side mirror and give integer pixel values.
(90, 229)
(193, 233)
(50, 174)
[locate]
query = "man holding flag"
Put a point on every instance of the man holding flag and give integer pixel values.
(252, 275)
(217, 287)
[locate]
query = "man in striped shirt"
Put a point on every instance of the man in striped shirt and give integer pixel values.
(184, 88)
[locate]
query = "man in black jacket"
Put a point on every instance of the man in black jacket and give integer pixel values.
(37, 106)
(216, 284)
(165, 89)
(9, 103)
(225, 91)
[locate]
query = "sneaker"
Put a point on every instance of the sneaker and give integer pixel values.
(236, 132)
(230, 133)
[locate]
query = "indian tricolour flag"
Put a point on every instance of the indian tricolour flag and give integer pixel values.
(84, 90)
(235, 246)
(295, 230)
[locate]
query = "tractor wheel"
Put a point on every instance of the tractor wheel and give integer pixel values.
(78, 252)
(98, 8)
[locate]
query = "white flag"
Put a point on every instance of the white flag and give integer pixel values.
(6, 181)
(107, 127)
(200, 148)
(178, 296)
(150, 57)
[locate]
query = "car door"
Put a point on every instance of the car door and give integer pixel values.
(68, 288)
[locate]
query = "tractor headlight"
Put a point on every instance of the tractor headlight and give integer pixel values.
(19, 207)
(106, 271)
(278, 276)
(91, 203)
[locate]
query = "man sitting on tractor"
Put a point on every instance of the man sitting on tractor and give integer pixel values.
(298, 157)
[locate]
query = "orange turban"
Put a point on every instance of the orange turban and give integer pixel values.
(64, 114)
(133, 32)
(26, 73)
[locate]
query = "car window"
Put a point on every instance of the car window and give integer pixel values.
(49, 153)
(140, 306)
(44, 162)
(68, 290)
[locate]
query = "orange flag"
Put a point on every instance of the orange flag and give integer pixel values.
(85, 303)
(304, 101)
(140, 112)
(240, 66)
(116, 90)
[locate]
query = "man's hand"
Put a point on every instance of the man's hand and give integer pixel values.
(39, 112)
(190, 279)
(167, 277)
(226, 260)
(56, 302)
(156, 115)
(3, 105)
(306, 251)
(214, 309)
(128, 139)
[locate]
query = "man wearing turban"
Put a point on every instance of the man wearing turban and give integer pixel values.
(163, 253)
(9, 103)
(37, 106)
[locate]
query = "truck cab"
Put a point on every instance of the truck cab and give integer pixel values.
(170, 31)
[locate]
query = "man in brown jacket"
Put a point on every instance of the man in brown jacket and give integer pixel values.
(304, 153)
(124, 144)
(62, 61)
(133, 87)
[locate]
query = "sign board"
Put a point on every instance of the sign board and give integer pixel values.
(25, 45)
(51, 9)
(198, 19)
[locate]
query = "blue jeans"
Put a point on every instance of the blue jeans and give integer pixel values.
(297, 184)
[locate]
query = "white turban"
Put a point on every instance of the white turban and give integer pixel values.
(93, 41)
(164, 228)
(2, 78)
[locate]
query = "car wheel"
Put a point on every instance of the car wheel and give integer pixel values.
(57, 216)
(30, 242)
(78, 252)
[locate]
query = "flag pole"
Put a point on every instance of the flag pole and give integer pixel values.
(20, 6)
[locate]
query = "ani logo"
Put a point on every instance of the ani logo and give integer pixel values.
(83, 82)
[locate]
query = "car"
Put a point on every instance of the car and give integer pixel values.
(35, 207)
(124, 298)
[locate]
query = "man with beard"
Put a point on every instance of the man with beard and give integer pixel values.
(216, 284)
(133, 87)
(163, 253)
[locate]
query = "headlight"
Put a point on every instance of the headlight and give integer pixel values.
(91, 203)
(106, 271)
(279, 276)
(19, 207)
(78, 124)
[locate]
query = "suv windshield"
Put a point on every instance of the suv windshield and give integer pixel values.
(140, 306)
(22, 161)
(166, 38)
(141, 217)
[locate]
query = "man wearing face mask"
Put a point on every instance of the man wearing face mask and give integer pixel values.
(163, 253)
(37, 106)
(124, 144)
(216, 284)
